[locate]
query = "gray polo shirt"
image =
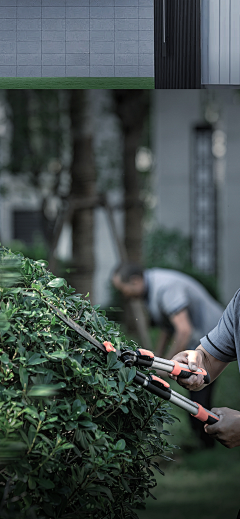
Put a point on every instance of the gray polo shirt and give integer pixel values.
(223, 342)
(169, 291)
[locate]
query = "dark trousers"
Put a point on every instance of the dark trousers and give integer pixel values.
(204, 398)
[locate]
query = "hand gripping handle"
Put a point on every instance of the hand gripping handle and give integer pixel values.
(206, 416)
(183, 371)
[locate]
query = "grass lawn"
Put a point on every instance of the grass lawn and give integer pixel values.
(77, 83)
(199, 484)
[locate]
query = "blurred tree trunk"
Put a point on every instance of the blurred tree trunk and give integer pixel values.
(83, 186)
(132, 108)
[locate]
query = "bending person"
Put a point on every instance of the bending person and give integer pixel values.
(181, 308)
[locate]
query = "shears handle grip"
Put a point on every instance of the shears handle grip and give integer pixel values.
(183, 371)
(206, 416)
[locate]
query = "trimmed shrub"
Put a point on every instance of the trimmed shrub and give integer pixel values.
(78, 438)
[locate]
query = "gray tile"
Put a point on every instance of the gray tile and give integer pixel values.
(53, 3)
(77, 12)
(75, 3)
(126, 12)
(102, 25)
(8, 59)
(146, 35)
(29, 3)
(8, 71)
(53, 71)
(129, 3)
(126, 35)
(53, 59)
(53, 12)
(29, 59)
(7, 35)
(55, 47)
(73, 47)
(77, 36)
(78, 24)
(102, 36)
(146, 71)
(102, 12)
(102, 71)
(146, 12)
(146, 47)
(25, 47)
(81, 60)
(102, 3)
(146, 3)
(8, 12)
(53, 36)
(7, 25)
(123, 47)
(8, 3)
(50, 24)
(126, 71)
(146, 59)
(32, 24)
(102, 47)
(29, 35)
(7, 47)
(146, 25)
(28, 12)
(126, 25)
(126, 59)
(28, 71)
(101, 59)
(77, 71)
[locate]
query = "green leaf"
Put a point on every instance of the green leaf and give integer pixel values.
(46, 483)
(100, 403)
(124, 409)
(4, 324)
(36, 359)
(111, 359)
(131, 374)
(5, 358)
(125, 485)
(57, 282)
(87, 423)
(58, 354)
(31, 483)
(23, 376)
(120, 445)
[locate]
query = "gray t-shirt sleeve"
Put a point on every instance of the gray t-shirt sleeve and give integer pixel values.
(174, 299)
(220, 342)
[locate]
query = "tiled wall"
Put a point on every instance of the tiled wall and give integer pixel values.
(80, 38)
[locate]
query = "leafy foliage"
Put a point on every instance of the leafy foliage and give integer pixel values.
(77, 437)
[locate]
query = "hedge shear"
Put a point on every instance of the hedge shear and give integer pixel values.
(151, 383)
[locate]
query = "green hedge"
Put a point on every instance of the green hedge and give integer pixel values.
(77, 437)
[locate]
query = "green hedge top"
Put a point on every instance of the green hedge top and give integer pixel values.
(77, 436)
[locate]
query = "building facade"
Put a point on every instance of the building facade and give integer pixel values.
(176, 116)
(76, 38)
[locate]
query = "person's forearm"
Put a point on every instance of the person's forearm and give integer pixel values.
(211, 364)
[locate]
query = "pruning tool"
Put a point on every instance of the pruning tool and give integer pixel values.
(151, 383)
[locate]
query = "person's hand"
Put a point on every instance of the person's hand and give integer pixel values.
(194, 359)
(227, 430)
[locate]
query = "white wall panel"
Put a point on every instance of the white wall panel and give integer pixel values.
(221, 42)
